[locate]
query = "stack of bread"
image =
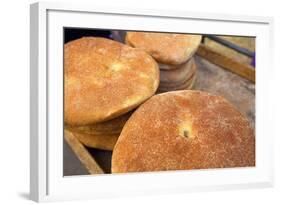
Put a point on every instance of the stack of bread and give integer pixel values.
(104, 82)
(174, 54)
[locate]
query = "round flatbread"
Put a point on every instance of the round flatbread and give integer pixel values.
(178, 76)
(184, 130)
(166, 48)
(113, 126)
(104, 79)
(103, 142)
(184, 86)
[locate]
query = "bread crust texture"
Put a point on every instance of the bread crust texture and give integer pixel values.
(165, 48)
(113, 126)
(104, 79)
(103, 142)
(178, 76)
(183, 130)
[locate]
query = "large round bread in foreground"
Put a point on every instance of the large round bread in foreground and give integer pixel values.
(184, 130)
(105, 79)
(166, 48)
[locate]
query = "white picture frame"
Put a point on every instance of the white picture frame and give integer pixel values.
(46, 101)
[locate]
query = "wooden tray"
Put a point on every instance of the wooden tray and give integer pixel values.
(216, 74)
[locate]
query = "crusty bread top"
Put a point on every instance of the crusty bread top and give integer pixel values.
(183, 130)
(166, 48)
(105, 79)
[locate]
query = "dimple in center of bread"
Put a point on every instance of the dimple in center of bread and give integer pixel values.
(185, 133)
(185, 130)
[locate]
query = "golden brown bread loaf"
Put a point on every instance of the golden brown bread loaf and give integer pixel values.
(113, 126)
(179, 75)
(104, 141)
(188, 84)
(166, 48)
(184, 130)
(105, 79)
